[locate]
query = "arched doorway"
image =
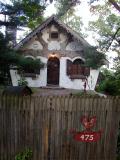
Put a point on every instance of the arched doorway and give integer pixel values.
(53, 69)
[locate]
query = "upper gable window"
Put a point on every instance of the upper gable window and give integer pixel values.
(54, 35)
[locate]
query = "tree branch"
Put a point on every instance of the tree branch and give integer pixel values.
(3, 23)
(7, 12)
(115, 4)
(113, 38)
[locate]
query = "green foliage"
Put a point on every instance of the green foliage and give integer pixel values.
(86, 93)
(10, 58)
(33, 12)
(110, 83)
(34, 89)
(22, 82)
(107, 26)
(31, 64)
(25, 155)
(66, 12)
(113, 3)
(94, 59)
(63, 6)
(72, 20)
(30, 12)
(24, 12)
(4, 67)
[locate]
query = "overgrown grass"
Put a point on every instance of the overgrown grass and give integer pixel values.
(87, 93)
(34, 89)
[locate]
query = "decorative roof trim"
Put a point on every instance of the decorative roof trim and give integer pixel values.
(44, 24)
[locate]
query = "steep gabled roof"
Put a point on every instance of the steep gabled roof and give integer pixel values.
(44, 24)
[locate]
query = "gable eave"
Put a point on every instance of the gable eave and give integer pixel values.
(43, 25)
(33, 33)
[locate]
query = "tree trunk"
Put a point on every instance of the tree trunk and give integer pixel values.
(11, 33)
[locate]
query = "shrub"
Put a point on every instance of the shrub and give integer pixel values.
(25, 155)
(110, 83)
(22, 82)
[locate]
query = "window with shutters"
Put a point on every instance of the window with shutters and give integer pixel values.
(77, 70)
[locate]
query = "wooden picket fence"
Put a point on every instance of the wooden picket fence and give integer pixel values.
(43, 124)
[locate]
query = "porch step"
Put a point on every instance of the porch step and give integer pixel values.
(52, 87)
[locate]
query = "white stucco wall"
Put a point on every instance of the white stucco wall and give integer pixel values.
(14, 77)
(40, 80)
(74, 46)
(45, 35)
(92, 79)
(33, 44)
(64, 80)
(54, 45)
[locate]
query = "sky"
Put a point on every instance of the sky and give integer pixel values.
(82, 10)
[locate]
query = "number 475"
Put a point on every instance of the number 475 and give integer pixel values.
(86, 137)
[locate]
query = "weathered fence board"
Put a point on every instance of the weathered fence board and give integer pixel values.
(44, 124)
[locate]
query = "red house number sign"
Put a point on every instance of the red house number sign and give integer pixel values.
(87, 135)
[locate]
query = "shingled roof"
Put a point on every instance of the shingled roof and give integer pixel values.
(44, 24)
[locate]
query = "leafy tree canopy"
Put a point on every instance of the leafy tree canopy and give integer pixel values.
(63, 6)
(94, 58)
(114, 3)
(66, 12)
(108, 30)
(23, 13)
(73, 21)
(107, 24)
(28, 12)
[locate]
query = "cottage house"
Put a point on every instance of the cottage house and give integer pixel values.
(62, 51)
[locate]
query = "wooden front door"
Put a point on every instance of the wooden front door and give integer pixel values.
(53, 69)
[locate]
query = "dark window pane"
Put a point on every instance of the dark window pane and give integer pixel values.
(78, 61)
(54, 35)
